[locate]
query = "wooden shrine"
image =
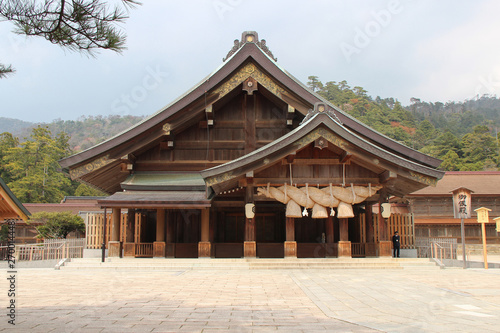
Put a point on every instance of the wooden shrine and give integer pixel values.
(13, 212)
(250, 163)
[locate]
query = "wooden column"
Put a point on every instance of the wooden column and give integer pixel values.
(250, 245)
(290, 243)
(169, 224)
(330, 237)
(159, 245)
(344, 247)
(371, 246)
(114, 245)
(129, 245)
(204, 246)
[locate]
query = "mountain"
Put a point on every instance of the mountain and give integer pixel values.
(84, 132)
(14, 126)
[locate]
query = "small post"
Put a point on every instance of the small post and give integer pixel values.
(103, 246)
(482, 217)
(485, 254)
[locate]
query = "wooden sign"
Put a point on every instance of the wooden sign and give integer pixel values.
(482, 215)
(462, 203)
(497, 220)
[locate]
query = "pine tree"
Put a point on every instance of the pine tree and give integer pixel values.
(77, 25)
(35, 175)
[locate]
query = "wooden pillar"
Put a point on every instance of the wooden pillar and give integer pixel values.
(250, 245)
(170, 226)
(114, 245)
(371, 246)
(130, 226)
(330, 237)
(344, 246)
(159, 245)
(290, 243)
(160, 225)
(204, 246)
(129, 245)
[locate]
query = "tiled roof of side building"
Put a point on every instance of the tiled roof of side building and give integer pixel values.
(479, 182)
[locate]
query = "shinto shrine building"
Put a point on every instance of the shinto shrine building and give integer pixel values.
(250, 163)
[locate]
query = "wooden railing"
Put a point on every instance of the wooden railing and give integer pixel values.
(443, 251)
(143, 250)
(358, 249)
(433, 247)
(51, 249)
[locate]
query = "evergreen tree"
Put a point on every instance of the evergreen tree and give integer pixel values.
(7, 141)
(57, 224)
(33, 166)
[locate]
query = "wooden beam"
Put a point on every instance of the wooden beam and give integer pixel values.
(387, 176)
(315, 181)
(345, 158)
(250, 131)
(317, 161)
(226, 144)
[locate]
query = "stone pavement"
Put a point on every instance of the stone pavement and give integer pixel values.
(356, 300)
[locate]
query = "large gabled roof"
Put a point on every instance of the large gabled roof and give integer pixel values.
(248, 58)
(10, 206)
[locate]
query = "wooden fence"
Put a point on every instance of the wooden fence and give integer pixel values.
(95, 229)
(405, 226)
(51, 249)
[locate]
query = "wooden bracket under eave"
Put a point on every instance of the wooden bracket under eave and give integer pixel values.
(126, 167)
(165, 145)
(387, 175)
(345, 158)
(290, 114)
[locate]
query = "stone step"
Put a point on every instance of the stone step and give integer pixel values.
(229, 264)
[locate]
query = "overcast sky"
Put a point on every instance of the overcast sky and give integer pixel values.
(432, 50)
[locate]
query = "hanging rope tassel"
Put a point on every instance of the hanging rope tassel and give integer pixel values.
(332, 212)
(305, 213)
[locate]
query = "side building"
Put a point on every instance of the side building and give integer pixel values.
(432, 208)
(250, 163)
(12, 210)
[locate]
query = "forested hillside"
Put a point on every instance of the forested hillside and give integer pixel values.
(84, 132)
(29, 160)
(463, 134)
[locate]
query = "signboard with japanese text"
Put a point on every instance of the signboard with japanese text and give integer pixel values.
(462, 203)
(482, 215)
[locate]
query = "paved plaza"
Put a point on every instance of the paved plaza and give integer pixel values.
(355, 300)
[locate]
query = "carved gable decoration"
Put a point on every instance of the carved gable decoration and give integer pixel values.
(250, 37)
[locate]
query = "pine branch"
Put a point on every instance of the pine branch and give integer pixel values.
(78, 25)
(4, 71)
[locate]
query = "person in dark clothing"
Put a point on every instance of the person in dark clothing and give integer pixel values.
(396, 244)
